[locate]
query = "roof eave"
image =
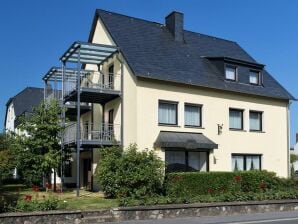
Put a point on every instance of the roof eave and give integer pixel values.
(237, 61)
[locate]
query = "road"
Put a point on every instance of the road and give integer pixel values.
(260, 218)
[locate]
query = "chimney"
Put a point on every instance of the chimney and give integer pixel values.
(296, 137)
(174, 23)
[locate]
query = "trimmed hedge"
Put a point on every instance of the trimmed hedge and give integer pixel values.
(226, 197)
(193, 184)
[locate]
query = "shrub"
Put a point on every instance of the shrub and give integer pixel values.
(215, 183)
(131, 173)
(26, 204)
(107, 170)
(225, 197)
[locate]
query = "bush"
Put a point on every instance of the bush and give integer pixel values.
(131, 173)
(29, 205)
(225, 197)
(215, 183)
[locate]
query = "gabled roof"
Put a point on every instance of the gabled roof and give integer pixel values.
(151, 52)
(25, 101)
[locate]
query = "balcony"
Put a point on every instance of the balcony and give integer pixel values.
(71, 109)
(95, 87)
(93, 135)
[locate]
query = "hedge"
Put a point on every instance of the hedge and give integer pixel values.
(193, 184)
(225, 197)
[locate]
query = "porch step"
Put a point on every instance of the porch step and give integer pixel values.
(97, 219)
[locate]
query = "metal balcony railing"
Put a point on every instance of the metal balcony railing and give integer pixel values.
(99, 134)
(95, 80)
(53, 94)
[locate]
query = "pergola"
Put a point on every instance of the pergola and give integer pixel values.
(81, 53)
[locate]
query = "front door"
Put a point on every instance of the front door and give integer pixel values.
(87, 173)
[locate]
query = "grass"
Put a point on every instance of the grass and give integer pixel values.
(86, 201)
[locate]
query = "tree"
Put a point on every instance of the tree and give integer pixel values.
(7, 159)
(293, 159)
(39, 148)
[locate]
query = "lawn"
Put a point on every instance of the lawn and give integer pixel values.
(87, 200)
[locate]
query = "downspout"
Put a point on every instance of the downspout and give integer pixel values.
(122, 101)
(288, 139)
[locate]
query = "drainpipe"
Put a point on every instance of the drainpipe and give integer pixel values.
(122, 104)
(288, 139)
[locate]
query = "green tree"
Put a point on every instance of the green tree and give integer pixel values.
(293, 159)
(7, 159)
(39, 148)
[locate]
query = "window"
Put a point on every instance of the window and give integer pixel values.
(167, 113)
(255, 121)
(231, 73)
(254, 77)
(246, 162)
(186, 161)
(236, 119)
(192, 115)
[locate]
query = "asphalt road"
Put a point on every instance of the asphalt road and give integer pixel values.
(259, 218)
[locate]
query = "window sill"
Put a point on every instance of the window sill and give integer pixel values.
(169, 125)
(195, 127)
(241, 130)
(256, 131)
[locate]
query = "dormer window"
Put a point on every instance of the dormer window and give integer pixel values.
(231, 73)
(254, 77)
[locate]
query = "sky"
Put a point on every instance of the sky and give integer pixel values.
(35, 33)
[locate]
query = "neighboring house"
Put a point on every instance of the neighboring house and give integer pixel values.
(201, 102)
(294, 150)
(21, 104)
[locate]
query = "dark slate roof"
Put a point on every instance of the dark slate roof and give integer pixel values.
(168, 139)
(25, 100)
(151, 52)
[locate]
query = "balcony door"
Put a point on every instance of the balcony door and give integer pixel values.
(111, 76)
(111, 124)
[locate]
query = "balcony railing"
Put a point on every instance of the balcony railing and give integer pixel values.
(53, 94)
(97, 81)
(103, 134)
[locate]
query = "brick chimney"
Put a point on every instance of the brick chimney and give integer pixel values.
(174, 23)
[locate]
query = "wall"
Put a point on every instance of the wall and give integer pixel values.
(10, 117)
(271, 143)
(150, 212)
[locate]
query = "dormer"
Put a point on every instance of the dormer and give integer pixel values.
(235, 70)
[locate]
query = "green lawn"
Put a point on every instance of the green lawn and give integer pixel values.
(87, 199)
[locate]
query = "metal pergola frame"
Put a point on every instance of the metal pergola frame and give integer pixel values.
(56, 74)
(83, 53)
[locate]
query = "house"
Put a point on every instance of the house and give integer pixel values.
(294, 150)
(21, 104)
(201, 102)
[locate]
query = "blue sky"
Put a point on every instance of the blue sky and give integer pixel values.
(35, 33)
